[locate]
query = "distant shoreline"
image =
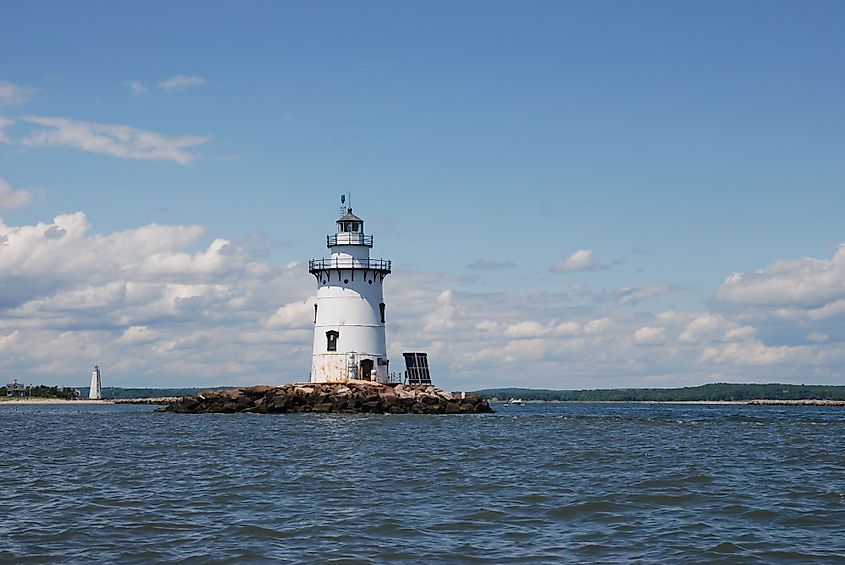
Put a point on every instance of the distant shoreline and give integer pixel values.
(24, 401)
(626, 401)
(753, 402)
(53, 401)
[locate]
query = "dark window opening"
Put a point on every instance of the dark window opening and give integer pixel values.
(355, 227)
(315, 313)
(345, 281)
(331, 340)
(381, 307)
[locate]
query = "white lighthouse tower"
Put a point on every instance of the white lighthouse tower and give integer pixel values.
(349, 341)
(96, 392)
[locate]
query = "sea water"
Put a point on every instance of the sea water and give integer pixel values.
(539, 483)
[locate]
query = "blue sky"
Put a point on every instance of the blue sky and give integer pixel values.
(673, 144)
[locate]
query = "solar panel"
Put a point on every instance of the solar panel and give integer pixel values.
(416, 365)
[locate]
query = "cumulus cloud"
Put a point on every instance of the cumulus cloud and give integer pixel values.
(297, 314)
(179, 83)
(157, 300)
(11, 199)
(137, 88)
(120, 141)
(14, 94)
(796, 283)
(650, 335)
(754, 353)
(136, 335)
(581, 260)
(705, 327)
(167, 304)
(443, 316)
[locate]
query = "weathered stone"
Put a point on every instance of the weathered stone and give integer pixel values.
(354, 396)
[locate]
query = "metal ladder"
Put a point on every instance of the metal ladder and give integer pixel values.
(352, 365)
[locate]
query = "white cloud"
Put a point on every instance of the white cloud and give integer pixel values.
(793, 283)
(443, 316)
(154, 302)
(567, 328)
(527, 329)
(4, 123)
(179, 83)
(753, 353)
(704, 327)
(11, 199)
(167, 304)
(744, 333)
(14, 94)
(297, 315)
(599, 326)
(137, 88)
(581, 260)
(650, 335)
(136, 335)
(120, 141)
(636, 295)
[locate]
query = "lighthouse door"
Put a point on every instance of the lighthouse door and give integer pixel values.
(366, 369)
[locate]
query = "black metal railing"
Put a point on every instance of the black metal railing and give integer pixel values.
(349, 238)
(317, 265)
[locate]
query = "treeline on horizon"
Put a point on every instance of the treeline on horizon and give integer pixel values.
(44, 391)
(127, 393)
(108, 392)
(711, 392)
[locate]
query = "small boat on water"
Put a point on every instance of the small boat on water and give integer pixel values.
(515, 401)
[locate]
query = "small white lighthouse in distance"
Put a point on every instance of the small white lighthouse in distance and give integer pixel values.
(96, 392)
(349, 341)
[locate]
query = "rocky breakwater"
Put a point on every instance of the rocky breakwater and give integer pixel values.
(351, 397)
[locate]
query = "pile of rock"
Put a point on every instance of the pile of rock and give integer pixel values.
(806, 402)
(350, 397)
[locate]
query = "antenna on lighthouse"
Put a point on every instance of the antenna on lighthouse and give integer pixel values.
(345, 203)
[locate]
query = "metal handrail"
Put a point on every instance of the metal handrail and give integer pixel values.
(317, 265)
(349, 238)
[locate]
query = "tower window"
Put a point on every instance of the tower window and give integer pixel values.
(354, 227)
(345, 281)
(381, 308)
(315, 313)
(331, 340)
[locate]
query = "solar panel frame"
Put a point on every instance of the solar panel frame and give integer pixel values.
(416, 365)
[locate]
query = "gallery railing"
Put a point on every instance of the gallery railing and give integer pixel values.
(349, 238)
(317, 265)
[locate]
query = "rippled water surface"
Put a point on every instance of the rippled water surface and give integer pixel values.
(537, 483)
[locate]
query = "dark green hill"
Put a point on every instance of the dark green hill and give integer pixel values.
(712, 392)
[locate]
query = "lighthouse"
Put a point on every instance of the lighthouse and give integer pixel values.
(96, 392)
(349, 314)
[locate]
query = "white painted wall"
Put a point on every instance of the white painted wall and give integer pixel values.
(348, 302)
(96, 392)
